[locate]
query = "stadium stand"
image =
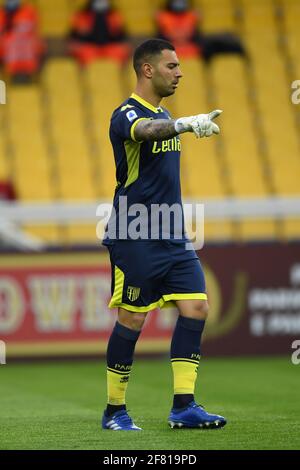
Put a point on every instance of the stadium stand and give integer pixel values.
(217, 15)
(101, 106)
(57, 130)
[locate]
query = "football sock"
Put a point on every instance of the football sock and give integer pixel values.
(112, 409)
(120, 351)
(185, 356)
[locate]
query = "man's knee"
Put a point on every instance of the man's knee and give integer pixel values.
(132, 320)
(204, 309)
(198, 309)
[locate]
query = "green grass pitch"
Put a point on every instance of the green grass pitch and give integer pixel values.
(59, 405)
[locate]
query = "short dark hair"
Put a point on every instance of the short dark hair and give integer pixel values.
(145, 51)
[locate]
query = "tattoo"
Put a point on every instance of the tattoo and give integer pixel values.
(158, 129)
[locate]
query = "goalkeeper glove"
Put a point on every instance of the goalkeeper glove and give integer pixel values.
(201, 124)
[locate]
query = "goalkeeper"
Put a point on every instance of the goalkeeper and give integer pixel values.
(148, 273)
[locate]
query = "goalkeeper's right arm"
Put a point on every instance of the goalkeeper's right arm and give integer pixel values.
(159, 129)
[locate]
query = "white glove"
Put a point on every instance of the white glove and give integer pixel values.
(201, 124)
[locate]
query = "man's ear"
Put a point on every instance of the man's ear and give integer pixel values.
(147, 70)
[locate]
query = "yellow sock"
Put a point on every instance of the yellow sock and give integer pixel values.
(117, 382)
(185, 375)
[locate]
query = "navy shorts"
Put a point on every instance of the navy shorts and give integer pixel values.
(150, 274)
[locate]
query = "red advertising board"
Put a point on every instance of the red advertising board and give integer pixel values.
(56, 304)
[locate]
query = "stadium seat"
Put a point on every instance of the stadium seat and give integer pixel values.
(61, 80)
(201, 174)
(54, 135)
(54, 16)
(291, 15)
(240, 144)
(258, 16)
(32, 167)
(103, 100)
(48, 233)
(81, 234)
(4, 168)
(139, 16)
(275, 107)
(218, 15)
(218, 231)
(256, 230)
(291, 229)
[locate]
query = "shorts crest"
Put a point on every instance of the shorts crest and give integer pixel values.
(133, 293)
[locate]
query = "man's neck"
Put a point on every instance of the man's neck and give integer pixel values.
(148, 96)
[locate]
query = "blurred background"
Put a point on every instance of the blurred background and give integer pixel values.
(65, 65)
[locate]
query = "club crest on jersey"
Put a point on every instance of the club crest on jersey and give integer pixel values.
(133, 293)
(131, 115)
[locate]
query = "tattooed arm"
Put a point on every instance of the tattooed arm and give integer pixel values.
(158, 129)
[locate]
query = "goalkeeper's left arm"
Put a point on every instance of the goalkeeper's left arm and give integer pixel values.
(158, 129)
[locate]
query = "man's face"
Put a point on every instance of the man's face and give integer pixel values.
(165, 73)
(179, 5)
(12, 4)
(100, 6)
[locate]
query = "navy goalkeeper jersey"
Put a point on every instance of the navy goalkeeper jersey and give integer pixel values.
(147, 173)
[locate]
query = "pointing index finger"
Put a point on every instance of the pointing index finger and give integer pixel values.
(215, 113)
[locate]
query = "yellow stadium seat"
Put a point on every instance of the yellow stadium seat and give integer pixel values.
(139, 16)
(31, 163)
(55, 135)
(48, 233)
(259, 15)
(217, 15)
(200, 169)
(257, 230)
(54, 16)
(291, 16)
(293, 45)
(5, 157)
(291, 229)
(77, 233)
(68, 126)
(4, 168)
(277, 118)
(240, 146)
(218, 231)
(104, 99)
(76, 182)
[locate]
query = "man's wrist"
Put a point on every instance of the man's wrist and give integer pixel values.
(182, 125)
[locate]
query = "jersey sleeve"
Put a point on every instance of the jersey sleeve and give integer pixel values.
(125, 120)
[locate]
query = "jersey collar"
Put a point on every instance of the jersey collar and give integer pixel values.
(145, 103)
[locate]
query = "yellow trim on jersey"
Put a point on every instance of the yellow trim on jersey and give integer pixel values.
(126, 106)
(134, 126)
(132, 150)
(118, 289)
(198, 296)
(146, 104)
